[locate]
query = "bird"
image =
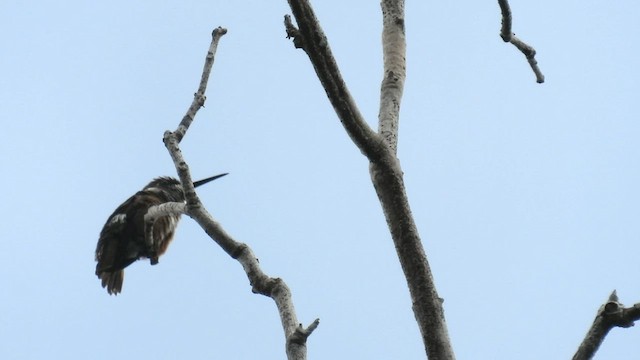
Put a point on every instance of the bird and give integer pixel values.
(122, 239)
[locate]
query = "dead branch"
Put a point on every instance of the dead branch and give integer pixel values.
(312, 40)
(380, 150)
(199, 98)
(611, 314)
(508, 36)
(261, 283)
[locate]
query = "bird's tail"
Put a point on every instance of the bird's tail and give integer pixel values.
(112, 281)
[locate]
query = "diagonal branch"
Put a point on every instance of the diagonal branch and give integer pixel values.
(199, 97)
(611, 314)
(508, 36)
(385, 169)
(261, 283)
(313, 41)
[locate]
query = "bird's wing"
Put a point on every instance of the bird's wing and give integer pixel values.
(113, 233)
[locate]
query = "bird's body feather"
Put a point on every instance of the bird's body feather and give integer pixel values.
(122, 239)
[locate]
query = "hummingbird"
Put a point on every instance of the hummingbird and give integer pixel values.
(122, 239)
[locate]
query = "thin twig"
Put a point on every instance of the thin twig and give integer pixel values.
(198, 97)
(508, 36)
(301, 334)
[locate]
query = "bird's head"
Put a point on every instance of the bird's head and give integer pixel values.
(172, 186)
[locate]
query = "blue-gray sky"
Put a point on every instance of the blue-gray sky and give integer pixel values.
(526, 195)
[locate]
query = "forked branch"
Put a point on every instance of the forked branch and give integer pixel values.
(611, 314)
(380, 150)
(260, 282)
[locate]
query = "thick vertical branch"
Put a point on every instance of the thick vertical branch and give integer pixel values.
(386, 176)
(261, 283)
(427, 305)
(380, 149)
(394, 59)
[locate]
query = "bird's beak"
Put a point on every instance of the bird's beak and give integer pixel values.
(204, 181)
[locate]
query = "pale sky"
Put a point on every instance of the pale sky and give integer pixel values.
(526, 195)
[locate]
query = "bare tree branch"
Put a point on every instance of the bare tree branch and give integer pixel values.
(380, 149)
(260, 282)
(312, 40)
(199, 97)
(508, 36)
(611, 314)
(394, 47)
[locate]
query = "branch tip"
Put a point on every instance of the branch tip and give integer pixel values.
(610, 315)
(274, 288)
(313, 326)
(218, 32)
(300, 335)
(293, 32)
(508, 36)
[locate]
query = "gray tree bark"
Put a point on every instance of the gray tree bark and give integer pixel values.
(380, 149)
(295, 334)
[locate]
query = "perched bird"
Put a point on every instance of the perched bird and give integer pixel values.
(122, 239)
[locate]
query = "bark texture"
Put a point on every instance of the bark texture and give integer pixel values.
(611, 314)
(380, 149)
(275, 288)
